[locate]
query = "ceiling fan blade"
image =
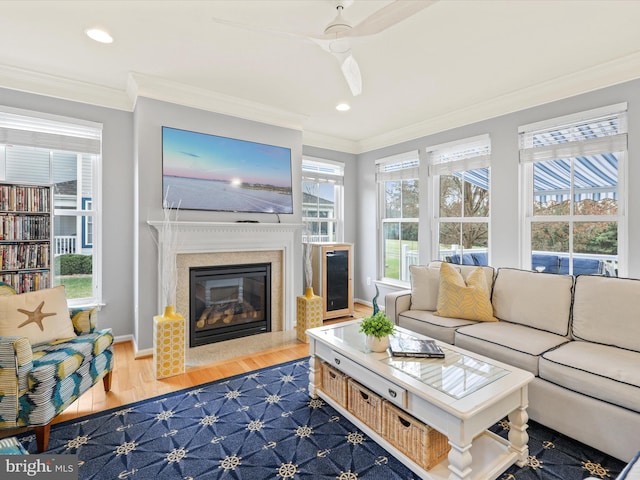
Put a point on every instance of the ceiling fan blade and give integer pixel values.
(389, 16)
(351, 72)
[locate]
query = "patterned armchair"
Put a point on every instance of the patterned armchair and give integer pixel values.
(39, 381)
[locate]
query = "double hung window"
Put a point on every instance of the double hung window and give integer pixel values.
(398, 200)
(66, 153)
(322, 198)
(574, 192)
(460, 172)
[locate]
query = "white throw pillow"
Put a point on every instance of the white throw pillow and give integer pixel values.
(424, 287)
(41, 316)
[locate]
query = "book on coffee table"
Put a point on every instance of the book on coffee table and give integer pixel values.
(413, 347)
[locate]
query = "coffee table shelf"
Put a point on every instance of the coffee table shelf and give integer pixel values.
(461, 396)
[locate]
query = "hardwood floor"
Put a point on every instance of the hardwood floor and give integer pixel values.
(134, 379)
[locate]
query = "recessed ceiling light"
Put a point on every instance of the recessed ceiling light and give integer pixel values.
(99, 35)
(343, 107)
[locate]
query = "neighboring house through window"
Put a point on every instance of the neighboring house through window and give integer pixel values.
(87, 224)
(398, 212)
(460, 175)
(574, 212)
(40, 148)
(322, 198)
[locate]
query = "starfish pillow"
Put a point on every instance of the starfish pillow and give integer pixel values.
(41, 316)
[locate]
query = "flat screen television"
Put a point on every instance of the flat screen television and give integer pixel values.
(207, 172)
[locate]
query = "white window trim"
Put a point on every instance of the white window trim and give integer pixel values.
(336, 179)
(437, 167)
(589, 147)
(409, 173)
(58, 132)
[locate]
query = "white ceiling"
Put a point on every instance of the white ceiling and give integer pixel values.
(453, 63)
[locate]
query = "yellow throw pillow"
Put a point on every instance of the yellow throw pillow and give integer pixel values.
(42, 316)
(469, 301)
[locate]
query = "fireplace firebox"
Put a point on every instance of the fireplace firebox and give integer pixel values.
(229, 301)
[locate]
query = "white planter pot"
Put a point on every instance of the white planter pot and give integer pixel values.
(377, 344)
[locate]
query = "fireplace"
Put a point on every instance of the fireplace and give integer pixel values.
(229, 301)
(203, 244)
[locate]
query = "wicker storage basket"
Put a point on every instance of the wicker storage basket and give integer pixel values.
(365, 405)
(334, 384)
(421, 443)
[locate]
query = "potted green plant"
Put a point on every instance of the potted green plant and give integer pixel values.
(377, 329)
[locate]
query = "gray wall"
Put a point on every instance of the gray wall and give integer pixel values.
(132, 189)
(117, 198)
(149, 117)
(505, 186)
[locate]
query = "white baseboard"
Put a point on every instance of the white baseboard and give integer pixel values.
(123, 338)
(147, 352)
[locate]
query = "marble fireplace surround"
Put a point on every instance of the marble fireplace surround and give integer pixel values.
(227, 243)
(187, 260)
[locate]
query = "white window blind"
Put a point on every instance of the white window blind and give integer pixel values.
(591, 133)
(322, 171)
(48, 132)
(459, 156)
(399, 167)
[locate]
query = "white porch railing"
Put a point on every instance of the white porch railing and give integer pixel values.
(316, 238)
(65, 244)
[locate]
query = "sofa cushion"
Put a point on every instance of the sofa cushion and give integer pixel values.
(538, 300)
(480, 258)
(582, 266)
(467, 259)
(41, 316)
(603, 372)
(467, 299)
(57, 360)
(510, 343)
(545, 262)
(612, 299)
(426, 323)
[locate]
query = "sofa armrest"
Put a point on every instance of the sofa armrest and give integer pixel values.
(16, 361)
(397, 302)
(84, 320)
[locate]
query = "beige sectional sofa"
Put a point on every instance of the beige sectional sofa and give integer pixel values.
(580, 337)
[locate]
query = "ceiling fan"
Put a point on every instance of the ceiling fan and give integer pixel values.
(338, 35)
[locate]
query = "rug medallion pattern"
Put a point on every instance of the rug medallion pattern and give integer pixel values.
(264, 425)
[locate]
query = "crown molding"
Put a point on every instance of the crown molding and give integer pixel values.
(39, 83)
(314, 139)
(140, 85)
(64, 88)
(604, 75)
(614, 72)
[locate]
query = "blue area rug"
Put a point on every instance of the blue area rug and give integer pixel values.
(264, 425)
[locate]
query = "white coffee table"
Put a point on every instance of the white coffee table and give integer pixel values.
(461, 396)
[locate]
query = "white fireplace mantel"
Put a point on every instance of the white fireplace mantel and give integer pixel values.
(214, 237)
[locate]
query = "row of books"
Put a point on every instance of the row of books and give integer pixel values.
(27, 281)
(24, 256)
(22, 198)
(21, 227)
